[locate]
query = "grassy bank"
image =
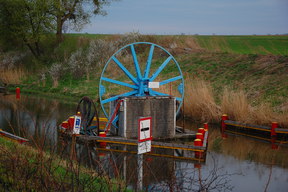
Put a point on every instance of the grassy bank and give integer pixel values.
(23, 168)
(244, 76)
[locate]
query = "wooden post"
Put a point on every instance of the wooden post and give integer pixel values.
(73, 154)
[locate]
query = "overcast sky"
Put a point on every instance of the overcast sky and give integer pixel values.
(204, 17)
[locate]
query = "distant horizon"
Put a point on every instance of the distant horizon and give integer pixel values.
(169, 17)
(284, 34)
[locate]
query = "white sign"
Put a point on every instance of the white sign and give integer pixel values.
(77, 125)
(153, 85)
(144, 129)
(144, 147)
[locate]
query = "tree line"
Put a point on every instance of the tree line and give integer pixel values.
(28, 22)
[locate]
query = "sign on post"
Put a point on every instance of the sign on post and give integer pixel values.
(77, 125)
(144, 135)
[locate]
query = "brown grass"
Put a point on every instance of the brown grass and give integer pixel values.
(12, 76)
(235, 104)
(199, 101)
(200, 105)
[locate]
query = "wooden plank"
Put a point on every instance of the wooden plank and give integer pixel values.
(244, 125)
(257, 127)
(153, 154)
(124, 141)
(12, 137)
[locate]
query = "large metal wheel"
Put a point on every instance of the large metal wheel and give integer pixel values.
(138, 69)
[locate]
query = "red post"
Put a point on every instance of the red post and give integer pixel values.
(223, 125)
(103, 144)
(65, 125)
(274, 125)
(206, 126)
(201, 130)
(198, 142)
(17, 93)
(71, 121)
(200, 136)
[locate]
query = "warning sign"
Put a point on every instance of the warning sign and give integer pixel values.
(144, 135)
(144, 129)
(144, 147)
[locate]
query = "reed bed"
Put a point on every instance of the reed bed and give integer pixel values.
(199, 101)
(12, 76)
(200, 104)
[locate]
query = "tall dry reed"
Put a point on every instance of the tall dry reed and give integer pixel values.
(12, 76)
(199, 101)
(235, 104)
(200, 105)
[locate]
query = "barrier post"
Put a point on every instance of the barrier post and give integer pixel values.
(198, 142)
(206, 126)
(223, 125)
(200, 136)
(274, 125)
(201, 130)
(102, 144)
(17, 93)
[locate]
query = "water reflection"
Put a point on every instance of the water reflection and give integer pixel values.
(33, 118)
(235, 163)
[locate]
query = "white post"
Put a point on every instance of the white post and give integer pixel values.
(140, 172)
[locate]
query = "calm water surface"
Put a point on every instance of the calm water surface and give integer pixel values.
(233, 164)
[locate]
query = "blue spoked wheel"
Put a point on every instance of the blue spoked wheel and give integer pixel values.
(140, 69)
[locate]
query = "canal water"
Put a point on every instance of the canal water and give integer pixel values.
(231, 164)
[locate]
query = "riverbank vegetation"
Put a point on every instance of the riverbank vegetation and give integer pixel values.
(26, 168)
(243, 76)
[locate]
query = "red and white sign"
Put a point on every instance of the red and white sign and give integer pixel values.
(144, 135)
(144, 129)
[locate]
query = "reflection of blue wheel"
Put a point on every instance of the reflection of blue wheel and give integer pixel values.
(144, 66)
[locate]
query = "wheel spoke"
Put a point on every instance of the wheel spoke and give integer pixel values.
(149, 60)
(115, 120)
(170, 80)
(136, 64)
(119, 83)
(117, 96)
(160, 68)
(125, 70)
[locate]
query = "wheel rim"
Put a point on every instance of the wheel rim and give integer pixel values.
(137, 78)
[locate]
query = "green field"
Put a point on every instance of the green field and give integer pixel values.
(275, 45)
(245, 44)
